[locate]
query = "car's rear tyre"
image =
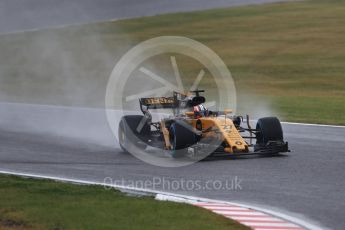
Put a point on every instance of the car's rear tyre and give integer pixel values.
(269, 129)
(128, 134)
(181, 137)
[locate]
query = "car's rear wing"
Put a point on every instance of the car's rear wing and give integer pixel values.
(159, 102)
(176, 102)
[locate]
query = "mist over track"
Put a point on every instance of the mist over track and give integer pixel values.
(77, 143)
(21, 15)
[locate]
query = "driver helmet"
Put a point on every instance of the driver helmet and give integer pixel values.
(200, 111)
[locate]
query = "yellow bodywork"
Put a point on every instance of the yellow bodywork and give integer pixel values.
(228, 131)
(215, 126)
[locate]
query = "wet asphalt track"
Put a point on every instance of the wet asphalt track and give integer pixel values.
(77, 144)
(19, 15)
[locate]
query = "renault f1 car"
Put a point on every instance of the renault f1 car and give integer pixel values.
(193, 129)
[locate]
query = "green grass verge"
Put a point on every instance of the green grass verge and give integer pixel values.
(42, 204)
(286, 58)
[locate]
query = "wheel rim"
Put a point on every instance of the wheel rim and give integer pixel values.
(260, 136)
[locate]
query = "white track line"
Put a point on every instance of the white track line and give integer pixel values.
(236, 213)
(247, 215)
(261, 218)
(218, 208)
(267, 224)
(309, 124)
(305, 124)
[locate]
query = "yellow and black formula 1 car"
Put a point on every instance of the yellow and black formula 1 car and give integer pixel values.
(195, 130)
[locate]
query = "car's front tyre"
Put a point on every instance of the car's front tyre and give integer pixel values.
(269, 136)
